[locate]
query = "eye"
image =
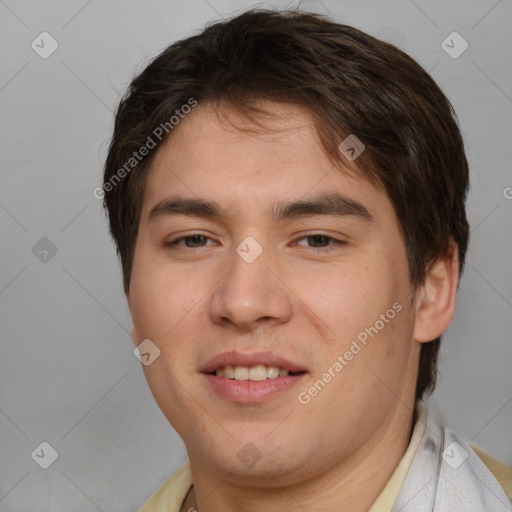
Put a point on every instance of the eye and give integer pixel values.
(314, 240)
(191, 241)
(320, 241)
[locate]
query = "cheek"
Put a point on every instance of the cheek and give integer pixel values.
(366, 309)
(160, 298)
(347, 298)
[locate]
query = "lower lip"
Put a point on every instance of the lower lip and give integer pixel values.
(249, 391)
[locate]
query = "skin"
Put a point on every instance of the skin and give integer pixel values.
(302, 299)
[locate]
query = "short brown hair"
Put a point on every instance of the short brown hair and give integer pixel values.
(351, 83)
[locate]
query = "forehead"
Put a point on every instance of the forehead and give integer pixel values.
(250, 163)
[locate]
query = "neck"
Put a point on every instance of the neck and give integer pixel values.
(356, 481)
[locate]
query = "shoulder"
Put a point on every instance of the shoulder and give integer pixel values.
(499, 469)
(463, 472)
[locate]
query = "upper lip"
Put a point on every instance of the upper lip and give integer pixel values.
(235, 358)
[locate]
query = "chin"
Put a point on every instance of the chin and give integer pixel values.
(261, 463)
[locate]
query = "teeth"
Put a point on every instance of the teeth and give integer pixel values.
(241, 373)
(258, 372)
(272, 372)
(254, 373)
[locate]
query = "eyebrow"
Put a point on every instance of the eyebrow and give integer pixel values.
(324, 204)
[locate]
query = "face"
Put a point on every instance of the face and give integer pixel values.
(275, 286)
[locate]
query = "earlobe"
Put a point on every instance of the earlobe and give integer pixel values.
(436, 297)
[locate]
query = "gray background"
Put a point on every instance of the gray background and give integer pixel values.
(68, 373)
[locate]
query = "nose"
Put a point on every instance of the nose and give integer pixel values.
(251, 293)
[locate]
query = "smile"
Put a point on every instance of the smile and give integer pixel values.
(255, 373)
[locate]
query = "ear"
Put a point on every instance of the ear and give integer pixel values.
(435, 303)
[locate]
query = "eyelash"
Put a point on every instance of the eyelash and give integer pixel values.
(333, 242)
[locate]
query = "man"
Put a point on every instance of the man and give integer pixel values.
(287, 199)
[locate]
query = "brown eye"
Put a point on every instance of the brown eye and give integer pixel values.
(190, 241)
(320, 241)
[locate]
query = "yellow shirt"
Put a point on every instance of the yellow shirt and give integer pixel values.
(170, 496)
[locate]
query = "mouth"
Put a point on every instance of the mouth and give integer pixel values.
(255, 373)
(251, 378)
